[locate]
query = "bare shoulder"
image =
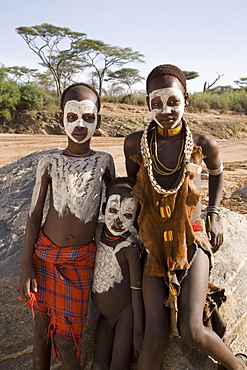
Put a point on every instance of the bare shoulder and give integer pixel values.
(207, 143)
(104, 155)
(133, 251)
(105, 158)
(132, 143)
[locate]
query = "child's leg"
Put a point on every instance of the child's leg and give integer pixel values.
(42, 343)
(103, 342)
(156, 334)
(123, 341)
(191, 304)
(66, 349)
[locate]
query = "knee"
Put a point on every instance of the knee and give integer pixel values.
(65, 347)
(192, 334)
(41, 335)
(158, 337)
(42, 338)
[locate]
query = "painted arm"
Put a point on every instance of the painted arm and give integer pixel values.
(215, 184)
(136, 269)
(27, 281)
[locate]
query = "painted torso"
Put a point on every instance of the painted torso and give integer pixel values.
(107, 270)
(76, 182)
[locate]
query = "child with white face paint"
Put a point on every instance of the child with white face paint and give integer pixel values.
(165, 160)
(58, 257)
(117, 281)
(167, 106)
(84, 109)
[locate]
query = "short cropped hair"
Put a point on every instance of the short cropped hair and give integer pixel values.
(77, 84)
(168, 70)
(121, 182)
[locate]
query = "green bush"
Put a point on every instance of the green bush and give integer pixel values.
(9, 98)
(223, 100)
(134, 99)
(32, 96)
(219, 102)
(51, 101)
(238, 100)
(108, 98)
(199, 102)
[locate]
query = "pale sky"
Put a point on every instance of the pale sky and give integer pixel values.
(204, 36)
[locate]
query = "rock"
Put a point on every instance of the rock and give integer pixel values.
(16, 325)
(229, 272)
(240, 193)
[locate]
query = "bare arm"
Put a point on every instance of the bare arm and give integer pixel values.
(136, 268)
(27, 276)
(212, 160)
(131, 147)
(109, 174)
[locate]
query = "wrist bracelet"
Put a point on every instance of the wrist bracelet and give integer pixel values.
(135, 287)
(213, 209)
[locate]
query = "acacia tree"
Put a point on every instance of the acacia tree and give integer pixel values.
(190, 75)
(45, 79)
(126, 76)
(45, 41)
(21, 74)
(242, 82)
(100, 57)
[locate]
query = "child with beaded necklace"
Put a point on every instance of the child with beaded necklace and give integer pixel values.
(165, 158)
(58, 258)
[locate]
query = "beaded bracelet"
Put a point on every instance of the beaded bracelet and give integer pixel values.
(213, 209)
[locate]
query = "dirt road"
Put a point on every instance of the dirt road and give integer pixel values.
(13, 147)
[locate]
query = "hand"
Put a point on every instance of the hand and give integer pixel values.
(137, 343)
(214, 231)
(27, 282)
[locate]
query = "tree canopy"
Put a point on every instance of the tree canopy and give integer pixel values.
(80, 52)
(191, 75)
(100, 57)
(45, 41)
(126, 76)
(242, 82)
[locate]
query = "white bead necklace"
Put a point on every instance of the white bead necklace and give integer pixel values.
(147, 161)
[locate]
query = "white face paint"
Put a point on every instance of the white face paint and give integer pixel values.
(80, 108)
(171, 100)
(120, 215)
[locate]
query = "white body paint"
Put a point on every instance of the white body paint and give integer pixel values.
(126, 206)
(79, 108)
(164, 95)
(76, 182)
(107, 271)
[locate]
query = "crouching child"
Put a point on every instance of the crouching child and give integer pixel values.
(117, 283)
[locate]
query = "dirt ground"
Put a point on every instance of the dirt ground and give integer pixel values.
(233, 153)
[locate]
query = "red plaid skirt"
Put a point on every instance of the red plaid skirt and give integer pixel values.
(64, 277)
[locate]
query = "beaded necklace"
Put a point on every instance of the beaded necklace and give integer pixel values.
(109, 237)
(170, 131)
(113, 238)
(88, 154)
(148, 162)
(153, 147)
